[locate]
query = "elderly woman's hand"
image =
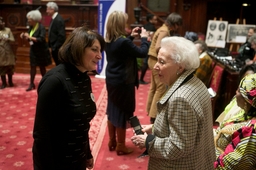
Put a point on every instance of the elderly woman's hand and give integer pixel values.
(139, 140)
(147, 128)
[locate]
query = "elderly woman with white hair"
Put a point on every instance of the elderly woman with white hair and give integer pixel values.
(181, 136)
(39, 52)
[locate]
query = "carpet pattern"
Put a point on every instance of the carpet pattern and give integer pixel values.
(107, 160)
(17, 111)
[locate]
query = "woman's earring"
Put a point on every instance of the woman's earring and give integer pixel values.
(177, 73)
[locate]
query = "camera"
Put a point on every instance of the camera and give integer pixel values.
(138, 30)
(135, 123)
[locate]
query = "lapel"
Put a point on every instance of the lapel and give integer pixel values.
(175, 86)
(52, 20)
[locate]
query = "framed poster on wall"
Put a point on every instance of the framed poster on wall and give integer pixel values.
(237, 33)
(216, 33)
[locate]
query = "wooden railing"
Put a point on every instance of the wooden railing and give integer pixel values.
(151, 12)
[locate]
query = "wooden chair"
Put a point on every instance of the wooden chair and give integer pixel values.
(215, 83)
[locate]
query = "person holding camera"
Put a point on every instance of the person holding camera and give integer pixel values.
(121, 77)
(39, 52)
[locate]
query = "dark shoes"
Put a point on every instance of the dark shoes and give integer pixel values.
(143, 82)
(11, 84)
(31, 87)
(3, 86)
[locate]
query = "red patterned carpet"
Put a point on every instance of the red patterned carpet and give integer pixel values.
(17, 110)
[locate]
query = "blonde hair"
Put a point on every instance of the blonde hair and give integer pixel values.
(115, 25)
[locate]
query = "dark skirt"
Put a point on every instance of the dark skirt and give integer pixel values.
(40, 56)
(121, 104)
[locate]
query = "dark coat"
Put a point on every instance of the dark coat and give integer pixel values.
(57, 34)
(65, 107)
(39, 52)
(122, 57)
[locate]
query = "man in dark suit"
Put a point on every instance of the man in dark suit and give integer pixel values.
(56, 31)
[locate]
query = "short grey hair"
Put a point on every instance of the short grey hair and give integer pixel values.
(53, 5)
(252, 39)
(34, 15)
(181, 50)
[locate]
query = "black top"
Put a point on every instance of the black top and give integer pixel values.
(150, 27)
(121, 60)
(39, 52)
(64, 109)
(246, 52)
(57, 33)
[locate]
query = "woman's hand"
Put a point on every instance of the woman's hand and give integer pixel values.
(139, 31)
(139, 140)
(147, 128)
(144, 33)
(22, 35)
(135, 31)
(89, 163)
(26, 35)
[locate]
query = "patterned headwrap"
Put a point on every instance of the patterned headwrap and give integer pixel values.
(248, 89)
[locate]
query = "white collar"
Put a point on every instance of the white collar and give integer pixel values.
(202, 55)
(54, 15)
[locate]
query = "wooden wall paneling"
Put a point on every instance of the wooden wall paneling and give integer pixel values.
(199, 16)
(130, 5)
(194, 16)
(15, 18)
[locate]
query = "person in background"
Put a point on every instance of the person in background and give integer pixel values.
(192, 36)
(56, 31)
(7, 58)
(246, 52)
(39, 52)
(232, 112)
(252, 41)
(157, 88)
(181, 136)
(150, 26)
(121, 77)
(203, 72)
(235, 143)
(66, 105)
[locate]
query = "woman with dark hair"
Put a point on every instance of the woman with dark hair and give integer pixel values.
(66, 105)
(150, 26)
(236, 142)
(7, 58)
(232, 112)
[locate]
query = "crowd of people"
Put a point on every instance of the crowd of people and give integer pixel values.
(40, 50)
(179, 134)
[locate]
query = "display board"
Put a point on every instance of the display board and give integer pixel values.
(237, 33)
(216, 33)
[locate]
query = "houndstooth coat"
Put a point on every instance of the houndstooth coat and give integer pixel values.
(183, 128)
